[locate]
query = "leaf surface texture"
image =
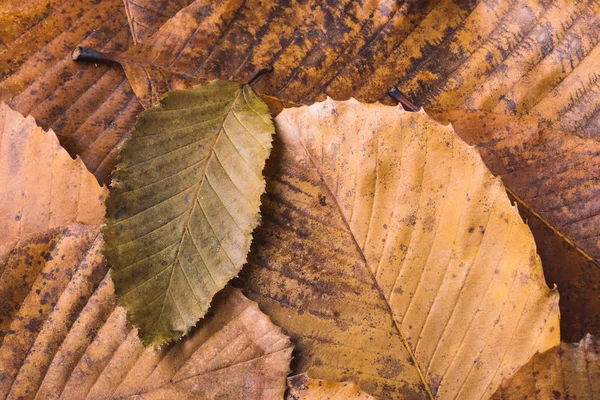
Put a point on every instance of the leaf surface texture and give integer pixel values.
(301, 387)
(393, 257)
(90, 106)
(185, 199)
(41, 186)
(567, 371)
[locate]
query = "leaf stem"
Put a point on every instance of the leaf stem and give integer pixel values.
(395, 94)
(259, 74)
(80, 53)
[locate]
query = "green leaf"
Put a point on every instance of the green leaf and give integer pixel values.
(184, 202)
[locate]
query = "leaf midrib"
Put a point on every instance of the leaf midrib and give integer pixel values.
(195, 200)
(349, 229)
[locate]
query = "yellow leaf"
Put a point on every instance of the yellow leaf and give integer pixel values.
(185, 199)
(394, 258)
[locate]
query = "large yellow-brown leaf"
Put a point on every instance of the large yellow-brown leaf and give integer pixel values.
(185, 200)
(41, 186)
(90, 107)
(567, 371)
(394, 258)
(301, 387)
(557, 179)
(532, 56)
(62, 336)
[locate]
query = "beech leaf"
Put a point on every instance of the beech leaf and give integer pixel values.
(394, 258)
(90, 106)
(567, 371)
(41, 186)
(185, 199)
(301, 387)
(555, 177)
(62, 336)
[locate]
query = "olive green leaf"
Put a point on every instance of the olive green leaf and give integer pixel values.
(184, 202)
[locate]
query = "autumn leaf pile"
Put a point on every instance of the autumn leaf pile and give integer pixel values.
(299, 200)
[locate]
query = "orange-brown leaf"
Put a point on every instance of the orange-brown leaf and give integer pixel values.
(301, 387)
(525, 56)
(61, 334)
(90, 107)
(394, 258)
(41, 186)
(567, 371)
(555, 177)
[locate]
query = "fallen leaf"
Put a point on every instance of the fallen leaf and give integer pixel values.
(147, 16)
(567, 371)
(62, 335)
(41, 186)
(554, 176)
(523, 56)
(575, 275)
(393, 258)
(301, 387)
(184, 202)
(308, 44)
(89, 106)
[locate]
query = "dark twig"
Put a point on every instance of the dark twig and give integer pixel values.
(259, 74)
(395, 94)
(86, 54)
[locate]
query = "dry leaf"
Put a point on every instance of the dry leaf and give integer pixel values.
(575, 275)
(90, 107)
(555, 176)
(185, 200)
(301, 387)
(567, 371)
(62, 337)
(41, 186)
(508, 56)
(394, 258)
(147, 16)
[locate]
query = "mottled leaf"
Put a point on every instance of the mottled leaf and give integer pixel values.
(567, 371)
(524, 56)
(556, 178)
(61, 335)
(147, 16)
(301, 387)
(185, 199)
(41, 186)
(89, 106)
(394, 258)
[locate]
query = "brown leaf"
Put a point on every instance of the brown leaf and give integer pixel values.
(90, 107)
(62, 335)
(41, 186)
(554, 176)
(394, 258)
(301, 387)
(525, 56)
(147, 16)
(567, 371)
